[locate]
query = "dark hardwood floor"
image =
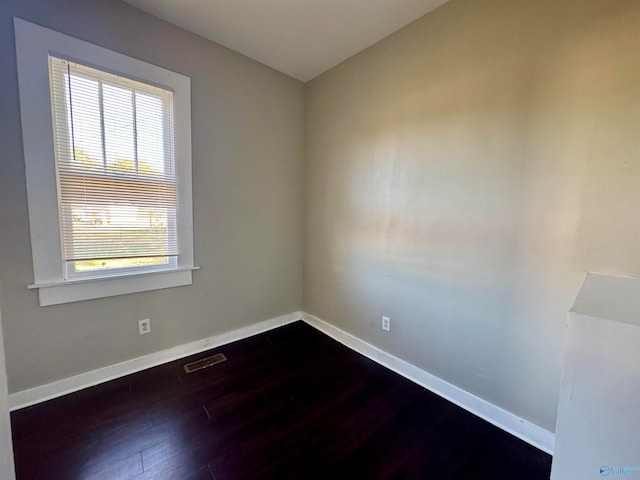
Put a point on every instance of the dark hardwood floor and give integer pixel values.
(289, 403)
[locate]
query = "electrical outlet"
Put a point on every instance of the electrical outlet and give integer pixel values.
(386, 323)
(144, 326)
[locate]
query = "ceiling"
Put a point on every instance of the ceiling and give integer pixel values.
(301, 38)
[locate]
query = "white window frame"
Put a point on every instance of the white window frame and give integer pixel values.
(34, 44)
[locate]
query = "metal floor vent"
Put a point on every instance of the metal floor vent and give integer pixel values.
(204, 363)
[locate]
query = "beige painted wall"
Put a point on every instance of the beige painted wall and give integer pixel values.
(248, 128)
(463, 174)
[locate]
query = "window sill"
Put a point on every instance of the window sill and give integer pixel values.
(66, 291)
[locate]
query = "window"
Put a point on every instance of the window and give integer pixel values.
(113, 141)
(108, 171)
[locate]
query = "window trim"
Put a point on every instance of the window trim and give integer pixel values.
(33, 46)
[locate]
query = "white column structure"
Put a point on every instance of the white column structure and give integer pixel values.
(598, 425)
(7, 469)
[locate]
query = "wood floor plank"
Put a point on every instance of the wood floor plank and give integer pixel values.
(121, 470)
(288, 403)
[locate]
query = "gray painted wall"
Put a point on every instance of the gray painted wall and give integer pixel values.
(248, 129)
(463, 174)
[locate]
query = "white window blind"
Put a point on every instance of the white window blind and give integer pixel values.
(114, 155)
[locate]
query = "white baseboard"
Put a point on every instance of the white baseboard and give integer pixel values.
(58, 388)
(523, 429)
